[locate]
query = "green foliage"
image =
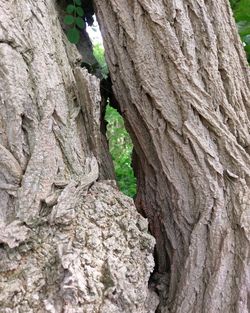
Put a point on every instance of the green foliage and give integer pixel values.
(98, 51)
(74, 18)
(241, 9)
(69, 19)
(120, 147)
(70, 8)
(79, 11)
(73, 35)
(78, 2)
(120, 144)
(80, 22)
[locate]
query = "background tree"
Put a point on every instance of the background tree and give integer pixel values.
(181, 77)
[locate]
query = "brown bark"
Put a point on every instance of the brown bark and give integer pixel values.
(67, 242)
(182, 81)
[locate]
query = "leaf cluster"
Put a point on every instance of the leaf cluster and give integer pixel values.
(120, 147)
(241, 9)
(75, 19)
(98, 52)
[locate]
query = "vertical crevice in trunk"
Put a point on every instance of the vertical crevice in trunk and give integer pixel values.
(160, 278)
(119, 140)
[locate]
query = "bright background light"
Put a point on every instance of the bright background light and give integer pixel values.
(94, 33)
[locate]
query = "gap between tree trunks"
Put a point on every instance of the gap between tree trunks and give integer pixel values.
(159, 279)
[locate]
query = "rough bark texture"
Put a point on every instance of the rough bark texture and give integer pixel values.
(181, 77)
(67, 243)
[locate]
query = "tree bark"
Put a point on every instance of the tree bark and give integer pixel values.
(67, 242)
(181, 78)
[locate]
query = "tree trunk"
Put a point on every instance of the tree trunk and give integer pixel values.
(67, 242)
(181, 79)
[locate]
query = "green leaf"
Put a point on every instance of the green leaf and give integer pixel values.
(246, 39)
(79, 11)
(69, 19)
(73, 35)
(242, 10)
(70, 8)
(80, 22)
(78, 2)
(244, 28)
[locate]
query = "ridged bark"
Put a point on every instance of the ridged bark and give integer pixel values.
(181, 78)
(67, 242)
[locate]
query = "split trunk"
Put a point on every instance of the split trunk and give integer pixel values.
(71, 244)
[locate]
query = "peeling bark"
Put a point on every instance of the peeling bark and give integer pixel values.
(67, 242)
(181, 78)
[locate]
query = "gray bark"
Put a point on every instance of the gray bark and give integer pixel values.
(181, 78)
(67, 242)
